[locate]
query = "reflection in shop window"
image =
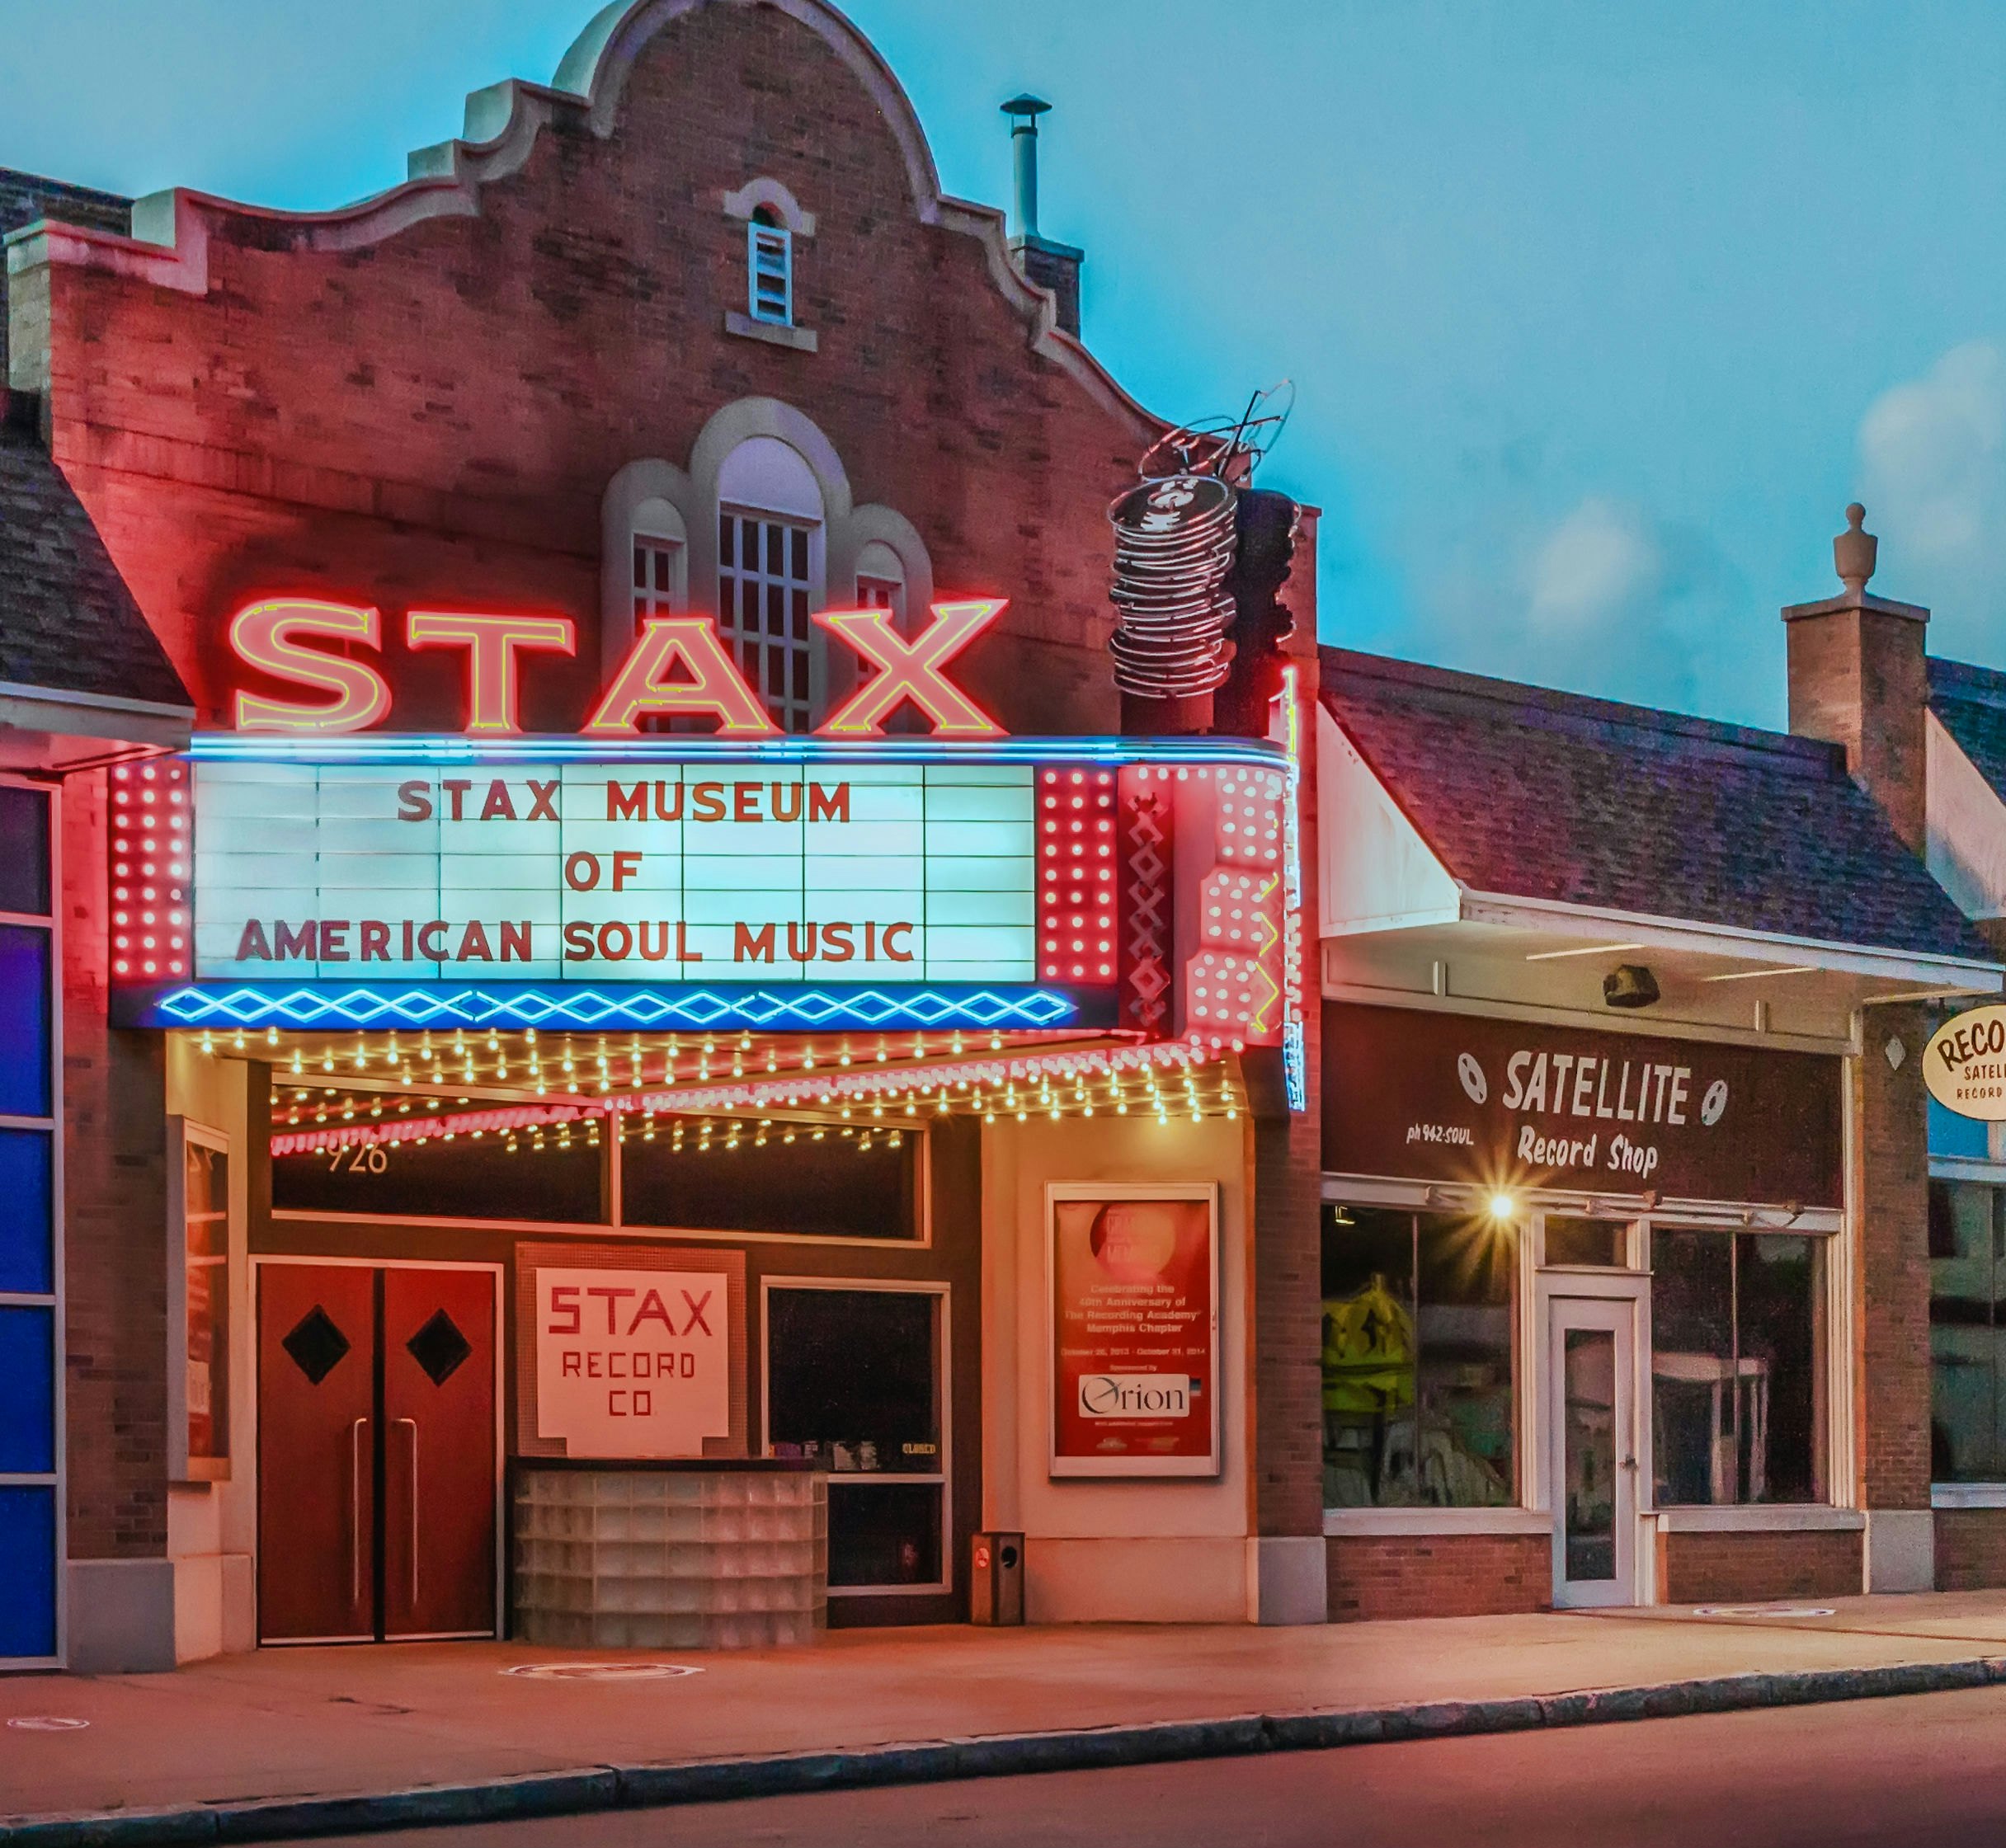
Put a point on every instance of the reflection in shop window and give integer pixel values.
(1417, 1360)
(1967, 1273)
(1737, 1340)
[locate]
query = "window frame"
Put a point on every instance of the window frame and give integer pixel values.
(802, 648)
(943, 1388)
(1825, 1477)
(769, 257)
(1524, 1418)
(1967, 1171)
(55, 1299)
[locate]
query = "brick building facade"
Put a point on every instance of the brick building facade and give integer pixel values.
(691, 328)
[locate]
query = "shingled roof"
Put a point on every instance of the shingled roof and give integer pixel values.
(1971, 702)
(1533, 794)
(67, 620)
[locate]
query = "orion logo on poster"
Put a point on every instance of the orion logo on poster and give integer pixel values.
(1134, 1396)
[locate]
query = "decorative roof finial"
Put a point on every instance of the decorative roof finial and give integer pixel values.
(1854, 552)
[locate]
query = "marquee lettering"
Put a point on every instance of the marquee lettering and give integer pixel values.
(491, 642)
(269, 635)
(677, 666)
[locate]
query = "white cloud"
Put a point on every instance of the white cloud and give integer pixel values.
(1601, 564)
(1604, 598)
(1933, 453)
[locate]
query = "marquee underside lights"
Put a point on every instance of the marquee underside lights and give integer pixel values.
(1170, 1082)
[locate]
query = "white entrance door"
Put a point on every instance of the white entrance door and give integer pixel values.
(1592, 1449)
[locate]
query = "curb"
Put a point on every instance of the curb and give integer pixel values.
(1003, 1755)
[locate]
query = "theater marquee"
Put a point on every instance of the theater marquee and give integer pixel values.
(313, 868)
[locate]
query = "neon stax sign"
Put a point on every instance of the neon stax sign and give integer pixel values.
(677, 668)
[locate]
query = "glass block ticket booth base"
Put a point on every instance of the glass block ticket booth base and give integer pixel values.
(667, 1558)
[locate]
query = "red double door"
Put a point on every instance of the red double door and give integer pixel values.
(376, 1453)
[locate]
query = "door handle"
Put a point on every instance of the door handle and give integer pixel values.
(354, 1512)
(414, 1424)
(1629, 1462)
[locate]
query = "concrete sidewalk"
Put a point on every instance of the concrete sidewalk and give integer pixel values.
(292, 1741)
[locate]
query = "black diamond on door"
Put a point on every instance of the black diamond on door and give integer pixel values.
(439, 1348)
(318, 1347)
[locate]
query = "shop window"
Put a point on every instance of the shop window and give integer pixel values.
(1418, 1386)
(1967, 1331)
(807, 1179)
(1738, 1348)
(551, 1174)
(24, 851)
(31, 1242)
(770, 269)
(854, 1381)
(1603, 1242)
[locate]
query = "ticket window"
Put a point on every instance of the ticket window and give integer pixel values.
(855, 1382)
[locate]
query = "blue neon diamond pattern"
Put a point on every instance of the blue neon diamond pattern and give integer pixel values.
(574, 1006)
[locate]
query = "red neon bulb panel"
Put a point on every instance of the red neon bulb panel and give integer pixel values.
(269, 635)
(1075, 877)
(714, 684)
(491, 642)
(152, 857)
(911, 669)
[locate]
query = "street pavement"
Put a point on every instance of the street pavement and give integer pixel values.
(1879, 1774)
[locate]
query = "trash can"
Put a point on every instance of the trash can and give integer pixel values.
(996, 1579)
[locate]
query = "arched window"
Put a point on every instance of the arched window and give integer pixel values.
(770, 269)
(770, 575)
(881, 580)
(660, 561)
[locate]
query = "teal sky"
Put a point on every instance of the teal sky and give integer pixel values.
(1598, 315)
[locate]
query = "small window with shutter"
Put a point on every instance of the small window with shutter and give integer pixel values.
(769, 264)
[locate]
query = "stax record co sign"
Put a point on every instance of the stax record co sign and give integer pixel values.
(1499, 1104)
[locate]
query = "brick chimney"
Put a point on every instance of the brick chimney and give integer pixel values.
(1038, 259)
(1859, 678)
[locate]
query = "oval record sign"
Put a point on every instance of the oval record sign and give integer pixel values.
(1965, 1065)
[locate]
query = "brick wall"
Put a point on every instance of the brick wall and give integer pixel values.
(1970, 1549)
(115, 1226)
(1891, 1137)
(1287, 1325)
(1718, 1569)
(436, 414)
(1435, 1575)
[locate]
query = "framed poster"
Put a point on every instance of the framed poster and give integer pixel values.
(199, 1289)
(1133, 1273)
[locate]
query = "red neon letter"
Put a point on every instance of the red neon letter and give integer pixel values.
(492, 641)
(911, 669)
(642, 684)
(264, 634)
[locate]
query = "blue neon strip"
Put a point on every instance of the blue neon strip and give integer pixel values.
(578, 1006)
(404, 747)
